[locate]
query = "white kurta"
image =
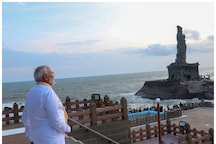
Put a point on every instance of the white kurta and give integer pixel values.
(43, 116)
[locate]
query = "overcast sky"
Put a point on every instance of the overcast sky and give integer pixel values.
(86, 39)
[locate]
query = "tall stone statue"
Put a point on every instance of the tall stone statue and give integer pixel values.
(181, 46)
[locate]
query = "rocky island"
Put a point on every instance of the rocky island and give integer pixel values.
(184, 81)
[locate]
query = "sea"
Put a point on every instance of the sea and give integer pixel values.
(115, 86)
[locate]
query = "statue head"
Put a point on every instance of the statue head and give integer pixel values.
(179, 28)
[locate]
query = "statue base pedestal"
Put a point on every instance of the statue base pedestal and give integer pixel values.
(183, 72)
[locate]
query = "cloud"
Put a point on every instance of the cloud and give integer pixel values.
(192, 34)
(210, 38)
(78, 43)
(11, 58)
(151, 50)
(121, 60)
(195, 47)
(202, 47)
(21, 3)
(60, 43)
(159, 50)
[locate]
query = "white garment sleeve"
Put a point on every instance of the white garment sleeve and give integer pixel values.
(26, 123)
(55, 113)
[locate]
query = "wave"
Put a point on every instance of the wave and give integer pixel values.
(115, 86)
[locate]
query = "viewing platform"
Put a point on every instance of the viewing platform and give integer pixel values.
(114, 121)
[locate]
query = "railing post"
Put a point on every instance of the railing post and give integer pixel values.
(16, 113)
(168, 126)
(106, 100)
(141, 134)
(148, 131)
(85, 104)
(189, 139)
(188, 135)
(124, 108)
(194, 132)
(211, 133)
(77, 105)
(174, 129)
(202, 135)
(7, 115)
(133, 135)
(68, 103)
(187, 126)
(162, 129)
(92, 108)
(156, 131)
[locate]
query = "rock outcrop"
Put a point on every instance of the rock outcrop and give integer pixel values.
(183, 82)
(176, 90)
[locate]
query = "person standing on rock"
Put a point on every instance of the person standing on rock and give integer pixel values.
(44, 116)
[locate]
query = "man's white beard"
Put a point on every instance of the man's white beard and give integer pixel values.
(52, 82)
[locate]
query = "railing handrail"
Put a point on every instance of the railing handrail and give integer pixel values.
(105, 137)
(74, 140)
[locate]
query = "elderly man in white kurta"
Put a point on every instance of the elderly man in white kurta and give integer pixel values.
(44, 116)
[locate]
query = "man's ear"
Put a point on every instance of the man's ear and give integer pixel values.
(45, 77)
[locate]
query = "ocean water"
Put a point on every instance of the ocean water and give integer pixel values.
(115, 86)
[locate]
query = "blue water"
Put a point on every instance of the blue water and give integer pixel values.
(115, 86)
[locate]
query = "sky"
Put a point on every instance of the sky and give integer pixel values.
(78, 39)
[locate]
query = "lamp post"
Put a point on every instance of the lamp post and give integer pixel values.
(158, 112)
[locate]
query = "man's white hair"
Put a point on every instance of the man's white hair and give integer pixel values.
(40, 71)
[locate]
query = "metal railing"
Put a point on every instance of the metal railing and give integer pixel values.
(75, 141)
(101, 135)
